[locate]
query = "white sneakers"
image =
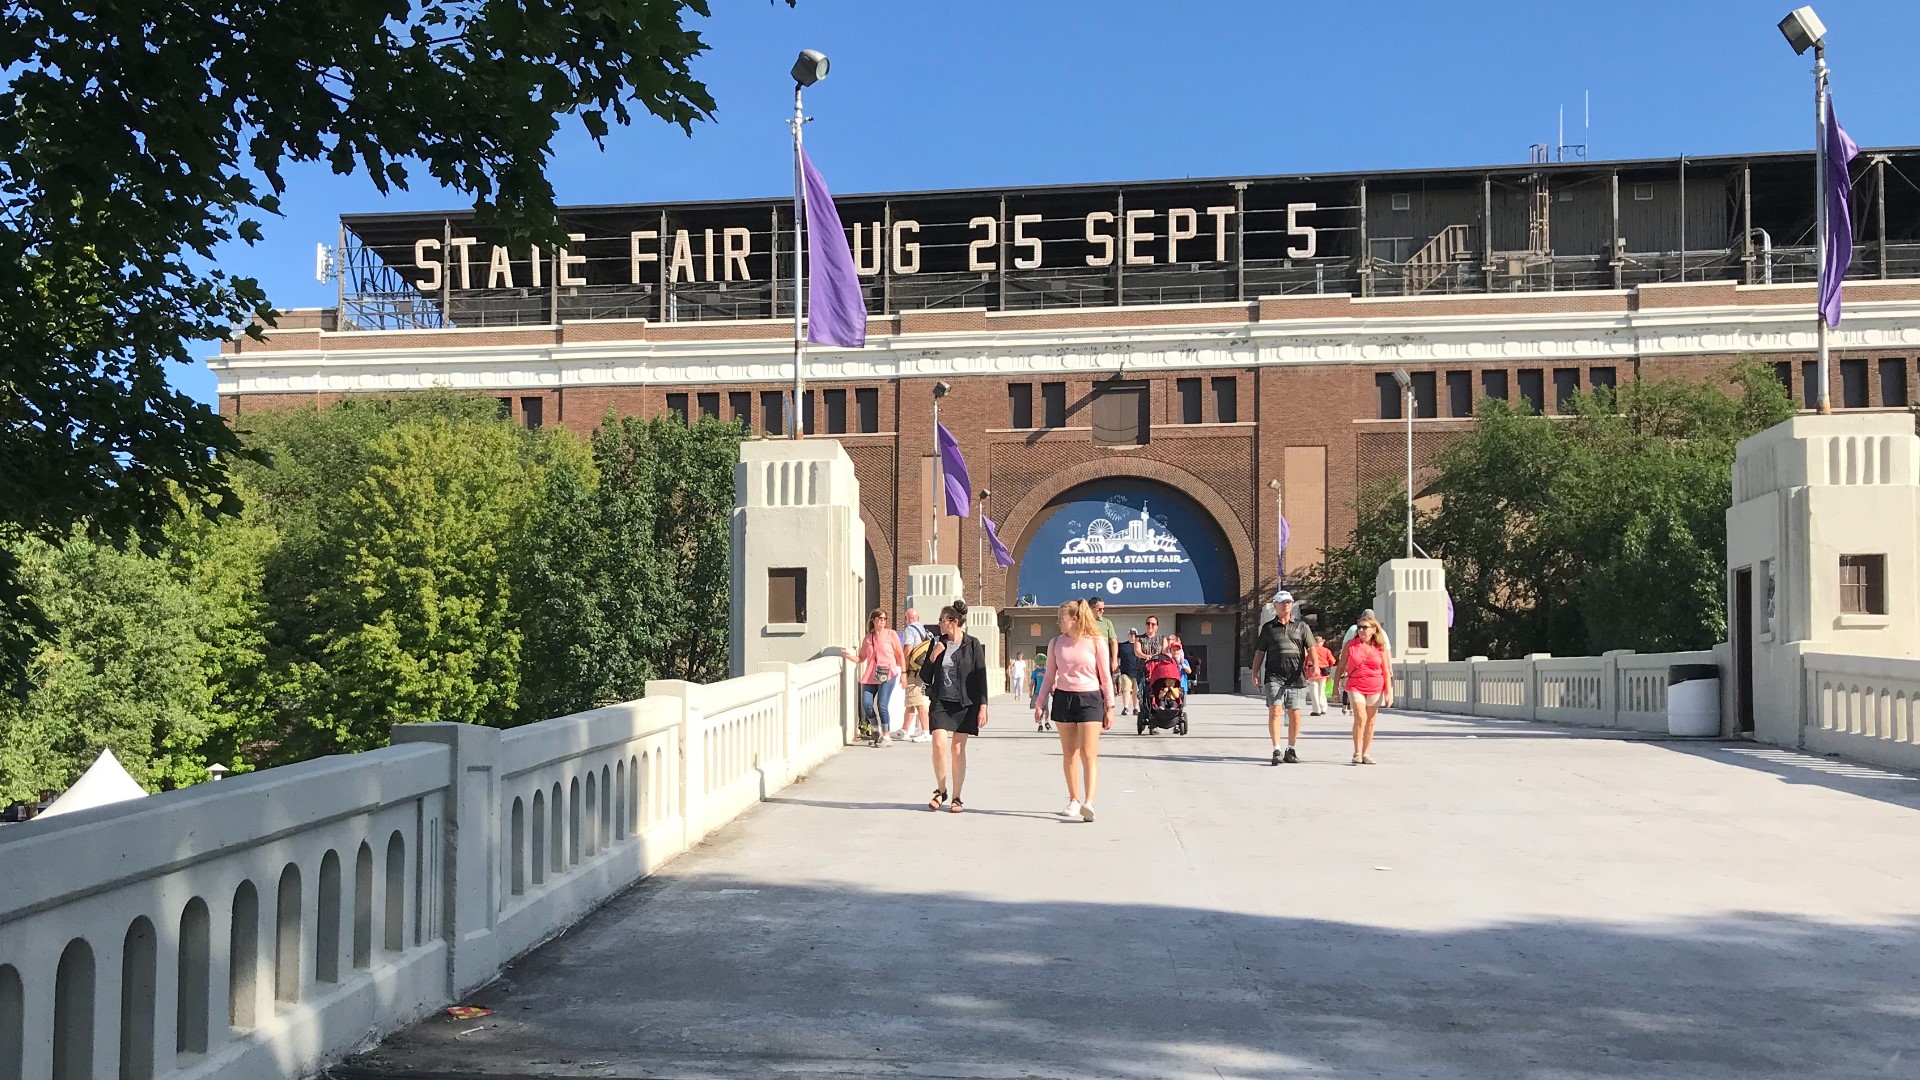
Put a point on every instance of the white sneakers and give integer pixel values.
(1086, 811)
(1077, 809)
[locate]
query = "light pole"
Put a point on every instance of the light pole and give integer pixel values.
(1804, 30)
(940, 390)
(1279, 531)
(809, 69)
(1406, 388)
(980, 549)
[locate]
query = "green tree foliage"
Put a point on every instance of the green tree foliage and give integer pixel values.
(397, 561)
(1605, 529)
(137, 139)
(123, 672)
(625, 580)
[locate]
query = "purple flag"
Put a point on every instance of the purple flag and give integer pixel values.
(1286, 534)
(1449, 597)
(1001, 556)
(837, 314)
(953, 468)
(1838, 184)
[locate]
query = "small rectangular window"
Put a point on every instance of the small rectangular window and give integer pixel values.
(1416, 635)
(836, 401)
(1893, 383)
(677, 405)
(1493, 384)
(1566, 384)
(1810, 384)
(1120, 415)
(710, 405)
(1053, 405)
(1783, 371)
(1533, 389)
(740, 408)
(1226, 400)
(533, 411)
(506, 407)
(1602, 377)
(1643, 193)
(1426, 395)
(787, 595)
(806, 412)
(1390, 395)
(1191, 407)
(1020, 405)
(773, 412)
(1854, 390)
(1459, 393)
(1402, 201)
(1863, 584)
(866, 402)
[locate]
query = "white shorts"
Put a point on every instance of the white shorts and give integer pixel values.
(1371, 701)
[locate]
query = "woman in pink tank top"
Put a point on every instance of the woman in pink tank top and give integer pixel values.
(1079, 693)
(1368, 670)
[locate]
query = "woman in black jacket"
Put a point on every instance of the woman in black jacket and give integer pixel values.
(955, 674)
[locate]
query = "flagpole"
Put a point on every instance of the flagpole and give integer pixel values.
(799, 253)
(980, 552)
(939, 482)
(1820, 209)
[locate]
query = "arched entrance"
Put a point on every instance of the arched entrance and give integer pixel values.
(1144, 547)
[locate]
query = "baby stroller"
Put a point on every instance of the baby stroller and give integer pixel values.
(1163, 705)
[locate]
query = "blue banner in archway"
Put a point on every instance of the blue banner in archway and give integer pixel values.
(1130, 541)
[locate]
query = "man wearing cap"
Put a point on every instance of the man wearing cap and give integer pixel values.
(1280, 655)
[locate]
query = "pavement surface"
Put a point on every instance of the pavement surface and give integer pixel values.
(1493, 900)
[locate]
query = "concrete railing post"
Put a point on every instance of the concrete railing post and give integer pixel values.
(692, 764)
(789, 722)
(1532, 683)
(470, 848)
(1472, 705)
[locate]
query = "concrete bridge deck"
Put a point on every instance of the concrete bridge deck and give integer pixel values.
(1494, 900)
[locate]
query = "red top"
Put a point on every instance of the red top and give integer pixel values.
(1366, 667)
(881, 649)
(1320, 663)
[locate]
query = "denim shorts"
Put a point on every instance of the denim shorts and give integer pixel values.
(1291, 698)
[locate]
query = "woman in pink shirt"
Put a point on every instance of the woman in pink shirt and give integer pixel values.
(1079, 692)
(1369, 673)
(881, 662)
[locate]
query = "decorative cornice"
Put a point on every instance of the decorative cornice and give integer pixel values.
(1383, 337)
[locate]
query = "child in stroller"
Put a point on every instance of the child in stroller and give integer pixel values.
(1164, 703)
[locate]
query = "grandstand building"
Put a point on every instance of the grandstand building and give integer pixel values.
(1157, 354)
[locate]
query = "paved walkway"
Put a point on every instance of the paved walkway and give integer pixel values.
(1493, 900)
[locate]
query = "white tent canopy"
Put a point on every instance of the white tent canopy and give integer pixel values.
(105, 782)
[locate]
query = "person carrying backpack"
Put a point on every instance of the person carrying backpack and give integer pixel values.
(915, 641)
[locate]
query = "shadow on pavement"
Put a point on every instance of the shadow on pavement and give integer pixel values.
(720, 976)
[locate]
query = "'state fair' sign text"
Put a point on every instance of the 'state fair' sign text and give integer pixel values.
(1146, 237)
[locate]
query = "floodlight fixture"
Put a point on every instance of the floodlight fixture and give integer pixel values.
(941, 389)
(1400, 376)
(1803, 29)
(810, 68)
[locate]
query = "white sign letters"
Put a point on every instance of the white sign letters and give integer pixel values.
(1139, 237)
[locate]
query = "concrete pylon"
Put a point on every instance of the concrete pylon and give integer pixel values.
(799, 553)
(932, 586)
(1823, 536)
(1410, 597)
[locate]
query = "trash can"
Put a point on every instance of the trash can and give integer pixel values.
(1693, 701)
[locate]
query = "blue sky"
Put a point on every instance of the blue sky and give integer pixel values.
(1007, 92)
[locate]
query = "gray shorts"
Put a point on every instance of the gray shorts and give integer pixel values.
(1291, 698)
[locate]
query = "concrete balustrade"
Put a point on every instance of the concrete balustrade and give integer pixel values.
(1862, 707)
(266, 924)
(1618, 690)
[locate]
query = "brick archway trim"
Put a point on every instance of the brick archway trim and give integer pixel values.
(882, 558)
(1023, 521)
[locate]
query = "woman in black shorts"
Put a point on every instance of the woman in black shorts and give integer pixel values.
(955, 674)
(1079, 692)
